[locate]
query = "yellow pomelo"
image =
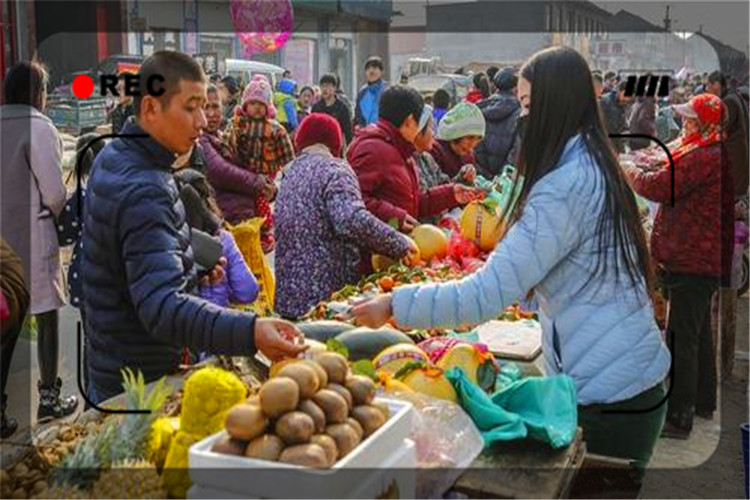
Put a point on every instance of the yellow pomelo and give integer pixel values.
(391, 359)
(431, 240)
(481, 226)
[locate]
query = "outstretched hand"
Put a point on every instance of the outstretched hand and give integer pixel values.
(278, 339)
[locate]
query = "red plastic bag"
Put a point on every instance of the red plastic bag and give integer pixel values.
(460, 247)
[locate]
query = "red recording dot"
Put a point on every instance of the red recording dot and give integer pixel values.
(83, 86)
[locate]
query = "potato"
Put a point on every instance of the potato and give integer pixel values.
(329, 445)
(229, 446)
(357, 427)
(304, 375)
(361, 388)
(278, 396)
(345, 437)
(383, 408)
(265, 447)
(344, 393)
(306, 455)
(333, 405)
(295, 427)
(322, 375)
(309, 407)
(245, 422)
(335, 366)
(370, 417)
(253, 400)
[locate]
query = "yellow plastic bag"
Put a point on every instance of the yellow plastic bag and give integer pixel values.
(247, 235)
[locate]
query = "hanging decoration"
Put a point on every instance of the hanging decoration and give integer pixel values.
(263, 26)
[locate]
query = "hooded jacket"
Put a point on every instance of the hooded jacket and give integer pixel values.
(286, 104)
(501, 113)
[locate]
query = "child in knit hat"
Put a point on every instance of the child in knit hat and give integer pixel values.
(258, 142)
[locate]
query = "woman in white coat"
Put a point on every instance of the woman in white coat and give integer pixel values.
(33, 194)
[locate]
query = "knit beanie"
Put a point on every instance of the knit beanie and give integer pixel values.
(259, 90)
(319, 128)
(464, 119)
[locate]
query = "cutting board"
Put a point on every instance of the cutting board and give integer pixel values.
(520, 340)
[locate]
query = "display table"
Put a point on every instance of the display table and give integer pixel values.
(523, 469)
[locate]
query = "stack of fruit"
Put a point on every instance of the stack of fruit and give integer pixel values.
(312, 413)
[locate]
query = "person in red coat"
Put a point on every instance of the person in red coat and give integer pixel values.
(460, 131)
(382, 157)
(690, 243)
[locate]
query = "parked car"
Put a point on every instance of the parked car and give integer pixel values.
(244, 70)
(457, 86)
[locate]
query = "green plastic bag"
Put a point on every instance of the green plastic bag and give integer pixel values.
(542, 408)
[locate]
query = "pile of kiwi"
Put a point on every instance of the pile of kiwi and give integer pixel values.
(312, 413)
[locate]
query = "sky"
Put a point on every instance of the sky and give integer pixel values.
(727, 21)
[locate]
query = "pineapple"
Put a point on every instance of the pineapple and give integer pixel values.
(121, 444)
(129, 479)
(63, 491)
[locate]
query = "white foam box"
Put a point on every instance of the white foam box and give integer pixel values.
(255, 478)
(396, 479)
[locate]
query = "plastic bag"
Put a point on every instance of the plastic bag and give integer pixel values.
(446, 439)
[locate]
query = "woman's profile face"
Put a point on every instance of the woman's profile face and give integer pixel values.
(691, 126)
(524, 95)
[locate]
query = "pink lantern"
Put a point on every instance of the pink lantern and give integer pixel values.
(263, 26)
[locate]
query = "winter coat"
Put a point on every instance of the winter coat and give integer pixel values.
(501, 113)
(384, 164)
(366, 109)
(15, 294)
(32, 196)
(437, 115)
(286, 104)
(600, 332)
(737, 141)
(236, 187)
(69, 232)
(238, 286)
(322, 223)
(614, 113)
(138, 271)
(341, 112)
(690, 237)
(449, 162)
(642, 120)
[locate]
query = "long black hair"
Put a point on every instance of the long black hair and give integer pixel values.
(563, 104)
(481, 82)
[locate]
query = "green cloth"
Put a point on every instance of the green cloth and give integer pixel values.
(630, 436)
(542, 408)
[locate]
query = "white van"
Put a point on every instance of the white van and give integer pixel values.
(244, 70)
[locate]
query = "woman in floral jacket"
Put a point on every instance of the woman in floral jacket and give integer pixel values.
(321, 222)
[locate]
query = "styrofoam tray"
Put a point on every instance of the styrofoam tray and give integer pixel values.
(397, 475)
(262, 478)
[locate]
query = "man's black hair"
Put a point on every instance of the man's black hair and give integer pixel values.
(441, 99)
(231, 84)
(622, 85)
(212, 89)
(491, 72)
(173, 67)
(374, 61)
(717, 76)
(597, 77)
(609, 75)
(306, 87)
(398, 102)
(328, 78)
(25, 83)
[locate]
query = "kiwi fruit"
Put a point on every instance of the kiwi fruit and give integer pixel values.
(344, 393)
(369, 417)
(357, 427)
(322, 375)
(361, 388)
(265, 447)
(383, 408)
(278, 396)
(335, 366)
(229, 446)
(253, 400)
(306, 455)
(309, 407)
(295, 427)
(304, 375)
(333, 405)
(345, 436)
(329, 445)
(245, 422)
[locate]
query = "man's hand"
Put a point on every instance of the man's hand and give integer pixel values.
(465, 194)
(409, 223)
(412, 256)
(278, 339)
(468, 173)
(217, 273)
(373, 313)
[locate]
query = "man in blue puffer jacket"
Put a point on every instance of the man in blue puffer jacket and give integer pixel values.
(137, 264)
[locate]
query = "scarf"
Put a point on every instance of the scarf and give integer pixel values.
(368, 104)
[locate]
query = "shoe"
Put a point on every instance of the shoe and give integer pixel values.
(51, 405)
(672, 431)
(8, 426)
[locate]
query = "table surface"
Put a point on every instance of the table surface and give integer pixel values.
(523, 469)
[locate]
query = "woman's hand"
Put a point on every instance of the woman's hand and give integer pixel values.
(412, 255)
(468, 173)
(464, 194)
(409, 223)
(217, 273)
(373, 313)
(278, 339)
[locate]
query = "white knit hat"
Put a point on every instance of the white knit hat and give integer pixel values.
(462, 120)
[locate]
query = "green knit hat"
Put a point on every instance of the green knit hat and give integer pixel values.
(462, 120)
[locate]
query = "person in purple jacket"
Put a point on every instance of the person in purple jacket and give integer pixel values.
(236, 187)
(238, 286)
(322, 222)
